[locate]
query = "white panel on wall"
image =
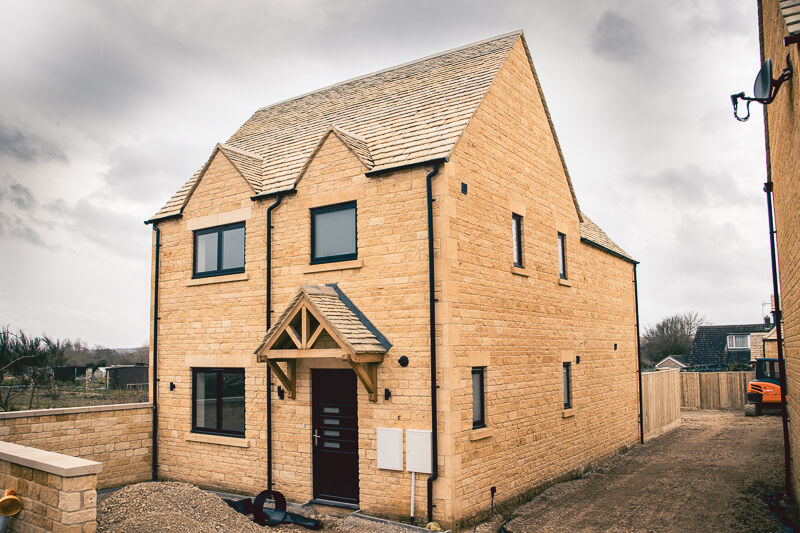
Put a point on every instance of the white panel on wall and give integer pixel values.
(418, 451)
(390, 449)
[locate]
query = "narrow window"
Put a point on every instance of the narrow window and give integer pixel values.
(218, 401)
(219, 250)
(478, 399)
(333, 233)
(567, 386)
(516, 228)
(562, 256)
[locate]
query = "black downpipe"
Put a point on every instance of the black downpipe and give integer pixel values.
(434, 419)
(638, 354)
(787, 456)
(269, 324)
(155, 354)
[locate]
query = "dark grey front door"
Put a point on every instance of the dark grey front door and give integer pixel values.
(335, 435)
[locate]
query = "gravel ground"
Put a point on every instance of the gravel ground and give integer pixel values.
(181, 507)
(706, 476)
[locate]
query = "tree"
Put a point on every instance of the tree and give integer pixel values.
(30, 359)
(672, 336)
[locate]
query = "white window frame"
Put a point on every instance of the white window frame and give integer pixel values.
(732, 344)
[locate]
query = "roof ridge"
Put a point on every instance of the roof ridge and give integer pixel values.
(389, 69)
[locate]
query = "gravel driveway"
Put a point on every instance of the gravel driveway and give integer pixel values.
(707, 475)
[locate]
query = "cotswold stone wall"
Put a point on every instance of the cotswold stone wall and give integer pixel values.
(58, 492)
(783, 146)
(117, 436)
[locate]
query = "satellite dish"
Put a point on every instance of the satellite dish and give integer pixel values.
(763, 85)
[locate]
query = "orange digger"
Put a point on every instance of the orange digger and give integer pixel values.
(765, 390)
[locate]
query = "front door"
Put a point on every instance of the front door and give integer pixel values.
(335, 435)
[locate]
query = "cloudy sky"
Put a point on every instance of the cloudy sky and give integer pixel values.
(107, 107)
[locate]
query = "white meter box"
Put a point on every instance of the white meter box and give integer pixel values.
(418, 451)
(390, 449)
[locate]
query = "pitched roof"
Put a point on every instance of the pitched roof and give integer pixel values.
(680, 360)
(404, 115)
(349, 324)
(790, 9)
(710, 345)
(592, 233)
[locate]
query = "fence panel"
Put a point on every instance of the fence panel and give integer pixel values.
(661, 402)
(714, 390)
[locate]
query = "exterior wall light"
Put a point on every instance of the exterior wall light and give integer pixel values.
(764, 89)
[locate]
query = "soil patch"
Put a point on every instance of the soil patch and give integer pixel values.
(708, 475)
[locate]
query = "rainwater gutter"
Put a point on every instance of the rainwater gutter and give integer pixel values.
(432, 301)
(155, 353)
(787, 456)
(638, 353)
(274, 205)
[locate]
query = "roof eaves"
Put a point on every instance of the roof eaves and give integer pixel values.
(609, 250)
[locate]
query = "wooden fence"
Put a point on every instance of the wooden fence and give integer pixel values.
(714, 390)
(661, 402)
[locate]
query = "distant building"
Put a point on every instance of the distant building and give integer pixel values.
(721, 346)
(673, 361)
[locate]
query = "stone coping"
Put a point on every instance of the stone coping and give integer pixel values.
(73, 410)
(51, 462)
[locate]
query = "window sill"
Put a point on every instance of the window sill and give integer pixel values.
(239, 442)
(520, 271)
(242, 276)
(568, 413)
(330, 267)
(564, 282)
(481, 433)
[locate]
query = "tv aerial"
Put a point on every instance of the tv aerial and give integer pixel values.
(764, 89)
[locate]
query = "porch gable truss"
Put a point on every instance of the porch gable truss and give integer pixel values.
(321, 323)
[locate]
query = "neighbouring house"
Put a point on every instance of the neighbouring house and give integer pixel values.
(770, 342)
(722, 346)
(673, 361)
(779, 32)
(388, 277)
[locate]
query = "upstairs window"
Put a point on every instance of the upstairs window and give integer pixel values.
(516, 230)
(478, 397)
(219, 250)
(738, 342)
(333, 233)
(562, 256)
(218, 401)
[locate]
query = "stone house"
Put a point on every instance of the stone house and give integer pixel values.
(779, 32)
(417, 240)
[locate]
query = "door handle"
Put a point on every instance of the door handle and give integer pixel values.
(316, 437)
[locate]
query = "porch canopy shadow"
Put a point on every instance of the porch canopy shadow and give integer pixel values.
(322, 323)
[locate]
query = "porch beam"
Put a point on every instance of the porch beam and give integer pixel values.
(367, 373)
(288, 382)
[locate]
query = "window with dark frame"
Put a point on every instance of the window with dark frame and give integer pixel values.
(567, 386)
(218, 401)
(333, 233)
(478, 397)
(516, 228)
(562, 256)
(219, 250)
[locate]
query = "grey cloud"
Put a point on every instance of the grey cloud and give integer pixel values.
(14, 227)
(617, 38)
(693, 187)
(28, 148)
(106, 228)
(21, 197)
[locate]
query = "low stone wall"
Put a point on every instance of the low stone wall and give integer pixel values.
(118, 436)
(58, 492)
